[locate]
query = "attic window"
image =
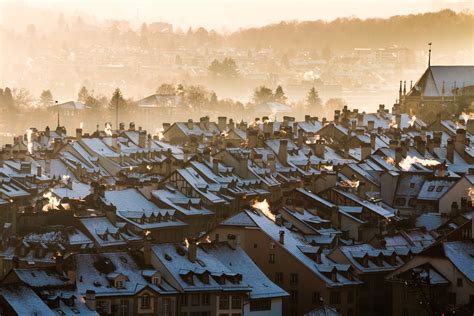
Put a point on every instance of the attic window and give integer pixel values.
(431, 188)
(412, 185)
(119, 284)
(123, 259)
(168, 257)
(440, 188)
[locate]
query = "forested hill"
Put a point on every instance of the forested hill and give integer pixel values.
(447, 30)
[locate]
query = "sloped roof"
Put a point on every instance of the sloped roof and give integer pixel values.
(431, 82)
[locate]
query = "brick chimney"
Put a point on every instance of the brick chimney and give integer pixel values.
(460, 143)
(142, 139)
(215, 165)
(450, 150)
(365, 150)
(78, 134)
(90, 300)
(283, 151)
(370, 125)
(282, 237)
(192, 251)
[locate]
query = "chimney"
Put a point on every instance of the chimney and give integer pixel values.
(202, 123)
(114, 140)
(222, 123)
(90, 299)
(147, 250)
(192, 251)
(372, 140)
(142, 139)
(398, 154)
(231, 124)
(470, 126)
(365, 150)
(252, 138)
(404, 145)
(301, 138)
(282, 237)
(307, 118)
(39, 171)
(166, 126)
(319, 148)
(398, 120)
(460, 143)
(121, 127)
(190, 124)
(420, 146)
(78, 134)
(215, 165)
(47, 166)
(450, 150)
(131, 126)
(393, 144)
(370, 125)
(2, 156)
(59, 263)
(353, 125)
(283, 151)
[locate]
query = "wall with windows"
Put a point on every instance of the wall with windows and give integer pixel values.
(263, 307)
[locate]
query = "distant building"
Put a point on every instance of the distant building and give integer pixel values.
(441, 89)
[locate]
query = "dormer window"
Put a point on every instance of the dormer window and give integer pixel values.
(119, 284)
(156, 279)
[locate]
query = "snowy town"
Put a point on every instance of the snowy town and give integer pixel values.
(359, 213)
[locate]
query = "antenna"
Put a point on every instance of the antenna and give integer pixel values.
(57, 109)
(429, 54)
(116, 111)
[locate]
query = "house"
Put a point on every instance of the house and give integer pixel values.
(215, 279)
(301, 269)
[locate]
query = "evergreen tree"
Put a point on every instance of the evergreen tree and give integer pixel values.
(83, 95)
(313, 100)
(46, 98)
(8, 101)
(280, 95)
(117, 101)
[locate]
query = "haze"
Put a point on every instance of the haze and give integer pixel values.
(227, 14)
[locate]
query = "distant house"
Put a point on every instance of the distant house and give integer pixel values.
(159, 105)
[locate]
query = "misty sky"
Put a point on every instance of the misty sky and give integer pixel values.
(232, 14)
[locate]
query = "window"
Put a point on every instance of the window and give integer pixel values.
(223, 302)
(431, 188)
(316, 297)
(260, 305)
(271, 258)
(459, 282)
(156, 280)
(294, 279)
(412, 202)
(294, 297)
(123, 307)
(166, 307)
(206, 299)
(279, 277)
(236, 302)
(145, 302)
(195, 299)
(412, 185)
(440, 188)
(103, 307)
(119, 284)
(255, 245)
(350, 297)
(335, 298)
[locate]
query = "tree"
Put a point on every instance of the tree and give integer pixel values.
(166, 89)
(333, 104)
(262, 94)
(83, 94)
(280, 95)
(46, 98)
(8, 101)
(117, 101)
(196, 96)
(313, 100)
(22, 98)
(225, 69)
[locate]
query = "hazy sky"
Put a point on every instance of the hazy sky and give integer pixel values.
(232, 14)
